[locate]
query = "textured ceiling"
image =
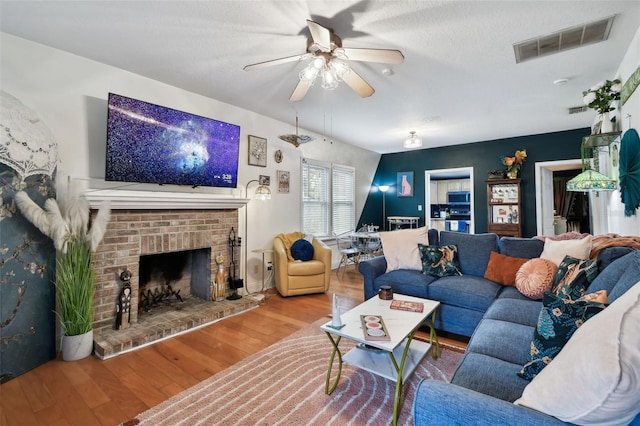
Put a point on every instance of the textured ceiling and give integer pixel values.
(459, 82)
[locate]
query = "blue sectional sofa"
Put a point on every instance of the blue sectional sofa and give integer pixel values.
(463, 299)
(499, 320)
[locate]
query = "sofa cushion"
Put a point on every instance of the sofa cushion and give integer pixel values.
(621, 275)
(559, 319)
(502, 339)
(556, 250)
(609, 254)
(457, 320)
(490, 376)
(302, 250)
(400, 248)
(473, 250)
(600, 365)
(405, 281)
(573, 277)
(439, 261)
(535, 277)
(518, 311)
(502, 269)
(464, 291)
(527, 248)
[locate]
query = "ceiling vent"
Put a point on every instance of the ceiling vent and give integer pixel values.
(566, 39)
(577, 110)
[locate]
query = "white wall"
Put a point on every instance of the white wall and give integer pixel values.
(617, 222)
(69, 94)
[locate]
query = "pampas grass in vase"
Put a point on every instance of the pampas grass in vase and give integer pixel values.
(67, 224)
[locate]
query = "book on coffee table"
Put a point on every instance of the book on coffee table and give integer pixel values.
(373, 328)
(405, 305)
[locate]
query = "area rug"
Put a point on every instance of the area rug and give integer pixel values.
(284, 385)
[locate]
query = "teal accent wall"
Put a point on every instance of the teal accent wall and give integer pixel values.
(483, 157)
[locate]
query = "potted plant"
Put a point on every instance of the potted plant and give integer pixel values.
(67, 224)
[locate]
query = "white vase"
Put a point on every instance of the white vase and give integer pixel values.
(77, 347)
(607, 125)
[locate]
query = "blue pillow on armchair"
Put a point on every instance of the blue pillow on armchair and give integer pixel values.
(302, 250)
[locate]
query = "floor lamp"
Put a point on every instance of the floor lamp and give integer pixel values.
(262, 192)
(383, 189)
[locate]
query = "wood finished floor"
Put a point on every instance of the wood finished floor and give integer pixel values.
(93, 392)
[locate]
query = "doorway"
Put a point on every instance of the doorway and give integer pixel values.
(453, 173)
(544, 176)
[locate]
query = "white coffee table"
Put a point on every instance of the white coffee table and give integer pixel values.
(381, 357)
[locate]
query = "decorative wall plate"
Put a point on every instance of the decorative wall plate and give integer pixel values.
(278, 156)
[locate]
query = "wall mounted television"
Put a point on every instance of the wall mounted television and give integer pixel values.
(149, 143)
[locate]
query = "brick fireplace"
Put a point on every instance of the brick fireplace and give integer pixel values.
(136, 232)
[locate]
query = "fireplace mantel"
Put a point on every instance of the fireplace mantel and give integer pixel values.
(131, 200)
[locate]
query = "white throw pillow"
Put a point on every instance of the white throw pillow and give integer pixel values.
(400, 248)
(595, 379)
(555, 251)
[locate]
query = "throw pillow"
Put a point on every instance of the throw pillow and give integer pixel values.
(598, 296)
(573, 277)
(400, 248)
(559, 319)
(535, 277)
(596, 377)
(502, 269)
(439, 261)
(302, 250)
(555, 251)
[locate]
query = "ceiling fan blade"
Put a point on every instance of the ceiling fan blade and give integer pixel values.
(276, 62)
(300, 91)
(358, 84)
(385, 56)
(320, 35)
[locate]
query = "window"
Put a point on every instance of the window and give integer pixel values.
(328, 198)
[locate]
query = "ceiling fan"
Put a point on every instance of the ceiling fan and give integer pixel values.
(328, 60)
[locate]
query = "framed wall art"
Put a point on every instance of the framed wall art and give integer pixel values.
(257, 151)
(283, 181)
(264, 180)
(405, 184)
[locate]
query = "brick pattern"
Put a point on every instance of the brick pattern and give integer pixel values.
(132, 233)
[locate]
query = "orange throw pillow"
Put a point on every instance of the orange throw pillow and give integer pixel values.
(502, 269)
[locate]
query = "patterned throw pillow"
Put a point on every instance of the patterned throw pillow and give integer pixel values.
(559, 319)
(573, 277)
(439, 261)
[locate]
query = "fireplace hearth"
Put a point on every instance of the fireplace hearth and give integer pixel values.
(135, 237)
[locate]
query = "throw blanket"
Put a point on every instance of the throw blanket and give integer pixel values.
(600, 242)
(288, 240)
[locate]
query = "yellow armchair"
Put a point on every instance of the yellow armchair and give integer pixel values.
(294, 278)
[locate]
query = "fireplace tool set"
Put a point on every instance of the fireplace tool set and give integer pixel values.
(234, 248)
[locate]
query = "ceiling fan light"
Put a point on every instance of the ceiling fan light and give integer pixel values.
(412, 141)
(329, 79)
(317, 62)
(309, 74)
(340, 67)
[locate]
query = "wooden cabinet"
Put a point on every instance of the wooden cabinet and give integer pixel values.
(433, 192)
(440, 188)
(442, 192)
(504, 200)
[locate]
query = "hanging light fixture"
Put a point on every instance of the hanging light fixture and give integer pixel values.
(412, 141)
(296, 139)
(332, 70)
(590, 179)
